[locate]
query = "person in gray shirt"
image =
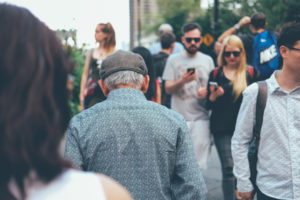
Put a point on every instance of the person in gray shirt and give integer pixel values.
(184, 74)
(141, 144)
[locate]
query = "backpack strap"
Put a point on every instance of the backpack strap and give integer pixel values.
(215, 73)
(255, 41)
(254, 144)
(260, 107)
(251, 71)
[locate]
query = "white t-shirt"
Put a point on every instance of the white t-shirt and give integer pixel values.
(72, 184)
(185, 101)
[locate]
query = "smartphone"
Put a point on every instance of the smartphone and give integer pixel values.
(191, 69)
(214, 84)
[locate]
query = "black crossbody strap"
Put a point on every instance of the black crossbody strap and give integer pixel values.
(260, 107)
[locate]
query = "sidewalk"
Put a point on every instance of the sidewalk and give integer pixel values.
(213, 176)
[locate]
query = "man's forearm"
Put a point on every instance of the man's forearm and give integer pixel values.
(228, 32)
(173, 86)
(243, 22)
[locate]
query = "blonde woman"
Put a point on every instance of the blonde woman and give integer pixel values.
(224, 95)
(90, 92)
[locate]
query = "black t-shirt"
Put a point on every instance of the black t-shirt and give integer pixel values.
(159, 62)
(247, 40)
(224, 109)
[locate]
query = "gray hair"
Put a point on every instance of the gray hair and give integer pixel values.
(124, 77)
(165, 28)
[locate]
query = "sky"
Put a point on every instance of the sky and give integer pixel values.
(82, 15)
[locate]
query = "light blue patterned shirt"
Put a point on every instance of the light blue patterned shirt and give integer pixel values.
(141, 144)
(278, 166)
(155, 48)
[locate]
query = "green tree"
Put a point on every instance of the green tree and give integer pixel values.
(177, 13)
(78, 58)
(277, 12)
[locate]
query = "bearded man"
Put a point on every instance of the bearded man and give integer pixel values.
(184, 74)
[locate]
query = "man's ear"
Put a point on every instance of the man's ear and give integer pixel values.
(172, 46)
(283, 51)
(145, 84)
(103, 87)
(182, 39)
(252, 29)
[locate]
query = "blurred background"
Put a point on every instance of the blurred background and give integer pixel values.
(136, 22)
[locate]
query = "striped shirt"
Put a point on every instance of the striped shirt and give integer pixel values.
(278, 166)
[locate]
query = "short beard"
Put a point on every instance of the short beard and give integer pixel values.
(191, 52)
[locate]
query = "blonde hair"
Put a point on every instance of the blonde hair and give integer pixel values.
(240, 78)
(110, 42)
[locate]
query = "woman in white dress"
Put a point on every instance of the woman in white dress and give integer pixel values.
(34, 115)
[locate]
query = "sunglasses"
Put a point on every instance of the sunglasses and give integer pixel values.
(235, 53)
(292, 48)
(189, 39)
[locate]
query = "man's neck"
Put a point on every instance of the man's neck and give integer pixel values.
(191, 55)
(260, 30)
(288, 80)
(167, 51)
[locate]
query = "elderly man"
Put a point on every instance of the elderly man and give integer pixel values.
(141, 144)
(156, 47)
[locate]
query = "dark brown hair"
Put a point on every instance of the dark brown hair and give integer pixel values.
(190, 26)
(166, 39)
(145, 53)
(110, 41)
(33, 98)
(258, 20)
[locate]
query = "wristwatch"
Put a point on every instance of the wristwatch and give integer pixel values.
(236, 26)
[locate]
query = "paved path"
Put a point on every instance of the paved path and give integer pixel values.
(213, 176)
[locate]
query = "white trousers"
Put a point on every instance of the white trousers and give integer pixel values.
(200, 134)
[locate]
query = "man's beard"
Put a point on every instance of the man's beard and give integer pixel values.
(190, 51)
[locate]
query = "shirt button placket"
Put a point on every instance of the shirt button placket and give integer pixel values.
(295, 154)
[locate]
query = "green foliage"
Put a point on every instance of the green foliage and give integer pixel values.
(177, 13)
(77, 56)
(277, 12)
(78, 60)
(77, 72)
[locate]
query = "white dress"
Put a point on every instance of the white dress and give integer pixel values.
(72, 184)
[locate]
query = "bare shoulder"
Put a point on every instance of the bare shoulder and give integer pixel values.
(113, 190)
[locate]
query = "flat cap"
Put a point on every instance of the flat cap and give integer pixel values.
(122, 61)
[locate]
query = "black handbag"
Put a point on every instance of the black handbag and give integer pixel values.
(253, 145)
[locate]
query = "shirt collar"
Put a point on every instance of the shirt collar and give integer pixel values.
(126, 94)
(272, 82)
(274, 86)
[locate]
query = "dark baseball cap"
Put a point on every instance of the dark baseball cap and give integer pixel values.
(122, 61)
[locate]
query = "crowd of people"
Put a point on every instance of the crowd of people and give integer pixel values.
(150, 115)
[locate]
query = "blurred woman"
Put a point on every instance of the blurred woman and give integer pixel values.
(154, 90)
(224, 97)
(34, 116)
(90, 92)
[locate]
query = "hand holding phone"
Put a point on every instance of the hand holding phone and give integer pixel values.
(215, 91)
(212, 83)
(191, 69)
